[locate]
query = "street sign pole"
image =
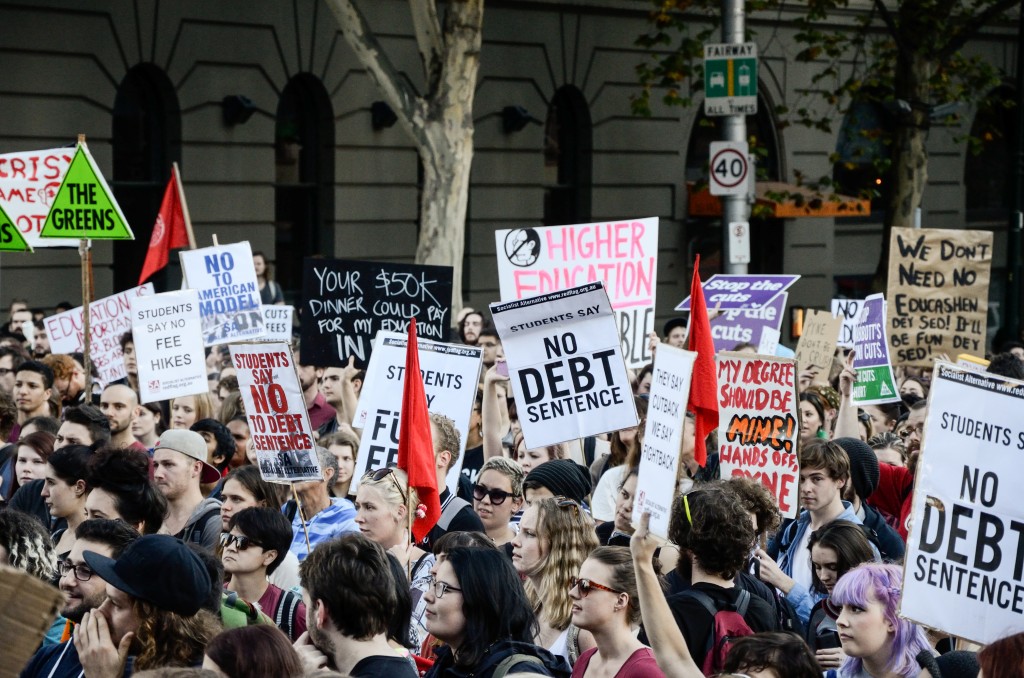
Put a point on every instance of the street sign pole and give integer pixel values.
(735, 208)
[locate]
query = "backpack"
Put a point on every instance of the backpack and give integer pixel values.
(284, 615)
(727, 625)
(193, 534)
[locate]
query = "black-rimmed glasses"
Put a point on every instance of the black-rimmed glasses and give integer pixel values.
(82, 572)
(440, 588)
(497, 496)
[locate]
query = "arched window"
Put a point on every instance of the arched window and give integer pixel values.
(861, 154)
(761, 128)
(987, 172)
(568, 144)
(146, 141)
(304, 175)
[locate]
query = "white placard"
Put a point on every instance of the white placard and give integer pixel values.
(769, 341)
(663, 436)
(29, 181)
(169, 345)
(277, 322)
(849, 311)
(565, 365)
(276, 411)
(229, 296)
(739, 242)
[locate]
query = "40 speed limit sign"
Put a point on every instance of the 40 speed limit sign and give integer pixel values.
(729, 168)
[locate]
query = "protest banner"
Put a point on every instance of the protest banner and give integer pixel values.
(11, 239)
(168, 345)
(623, 255)
(875, 383)
(726, 291)
(758, 411)
(663, 436)
(938, 293)
(965, 550)
(849, 310)
(744, 325)
(229, 296)
(277, 322)
(565, 365)
(28, 184)
(110, 317)
(348, 302)
(817, 345)
(84, 206)
(450, 376)
(276, 411)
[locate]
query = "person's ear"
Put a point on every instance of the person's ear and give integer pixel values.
(269, 557)
(321, 613)
(444, 459)
(517, 503)
(79, 488)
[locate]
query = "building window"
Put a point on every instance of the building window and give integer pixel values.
(987, 173)
(568, 142)
(862, 152)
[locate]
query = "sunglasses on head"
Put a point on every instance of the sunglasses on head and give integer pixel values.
(240, 541)
(585, 586)
(565, 502)
(389, 472)
(497, 496)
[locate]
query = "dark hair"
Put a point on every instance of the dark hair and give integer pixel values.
(1006, 365)
(817, 402)
(1004, 657)
(493, 602)
(42, 423)
(249, 477)
(39, 368)
(347, 574)
(126, 339)
(93, 419)
(828, 455)
(215, 569)
(696, 527)
(41, 443)
(267, 526)
(71, 463)
(622, 453)
(222, 436)
(462, 323)
(28, 544)
(124, 474)
(8, 415)
(454, 540)
(785, 654)
(398, 627)
(113, 533)
(18, 355)
(757, 499)
(258, 650)
(490, 332)
(155, 408)
(620, 561)
(848, 541)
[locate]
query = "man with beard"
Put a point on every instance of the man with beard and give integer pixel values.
(85, 591)
(320, 411)
(470, 326)
(120, 404)
(68, 378)
(350, 596)
(179, 469)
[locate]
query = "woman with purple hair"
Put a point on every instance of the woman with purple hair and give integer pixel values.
(878, 644)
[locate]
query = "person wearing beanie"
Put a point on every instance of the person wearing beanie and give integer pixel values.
(675, 332)
(557, 478)
(864, 474)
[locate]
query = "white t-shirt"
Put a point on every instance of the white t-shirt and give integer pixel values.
(602, 503)
(802, 561)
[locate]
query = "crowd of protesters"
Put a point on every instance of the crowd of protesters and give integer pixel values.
(176, 558)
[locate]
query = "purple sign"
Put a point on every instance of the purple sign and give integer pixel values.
(743, 326)
(870, 347)
(741, 291)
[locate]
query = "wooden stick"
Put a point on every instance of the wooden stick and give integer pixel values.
(184, 207)
(302, 518)
(215, 243)
(85, 253)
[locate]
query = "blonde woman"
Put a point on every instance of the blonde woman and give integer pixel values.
(187, 410)
(497, 496)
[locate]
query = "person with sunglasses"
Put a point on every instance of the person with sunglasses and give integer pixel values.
(606, 603)
(497, 496)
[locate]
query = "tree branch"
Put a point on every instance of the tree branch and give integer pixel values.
(973, 26)
(428, 38)
(890, 25)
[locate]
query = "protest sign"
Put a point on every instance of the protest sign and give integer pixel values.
(84, 206)
(277, 322)
(966, 543)
(450, 376)
(817, 345)
(11, 239)
(229, 296)
(109, 318)
(663, 436)
(623, 255)
(348, 302)
(744, 325)
(769, 341)
(276, 411)
(759, 428)
(938, 293)
(849, 310)
(28, 184)
(725, 291)
(875, 383)
(168, 345)
(565, 365)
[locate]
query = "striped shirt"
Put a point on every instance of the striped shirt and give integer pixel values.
(337, 519)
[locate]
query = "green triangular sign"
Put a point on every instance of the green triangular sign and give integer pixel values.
(84, 207)
(11, 239)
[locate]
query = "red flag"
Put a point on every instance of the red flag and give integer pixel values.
(415, 444)
(704, 382)
(168, 231)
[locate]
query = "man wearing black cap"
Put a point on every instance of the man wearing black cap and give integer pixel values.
(675, 332)
(557, 478)
(179, 468)
(864, 474)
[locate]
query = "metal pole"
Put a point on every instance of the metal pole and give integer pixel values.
(734, 128)
(1013, 236)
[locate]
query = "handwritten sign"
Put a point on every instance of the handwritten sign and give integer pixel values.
(28, 184)
(109, 318)
(168, 345)
(938, 293)
(229, 297)
(817, 345)
(276, 411)
(875, 381)
(623, 255)
(757, 411)
(277, 322)
(663, 436)
(849, 310)
(348, 302)
(564, 361)
(727, 291)
(744, 325)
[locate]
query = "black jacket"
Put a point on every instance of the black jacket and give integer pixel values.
(545, 664)
(890, 545)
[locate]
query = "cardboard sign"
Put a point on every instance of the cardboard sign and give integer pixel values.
(623, 255)
(450, 376)
(963, 564)
(276, 410)
(11, 239)
(565, 365)
(169, 345)
(725, 291)
(849, 310)
(277, 322)
(875, 383)
(84, 207)
(229, 296)
(28, 184)
(744, 325)
(938, 293)
(817, 345)
(663, 436)
(109, 318)
(348, 302)
(759, 428)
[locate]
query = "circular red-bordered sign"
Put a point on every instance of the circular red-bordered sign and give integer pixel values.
(729, 168)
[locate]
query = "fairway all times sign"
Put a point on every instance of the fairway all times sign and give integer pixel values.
(729, 168)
